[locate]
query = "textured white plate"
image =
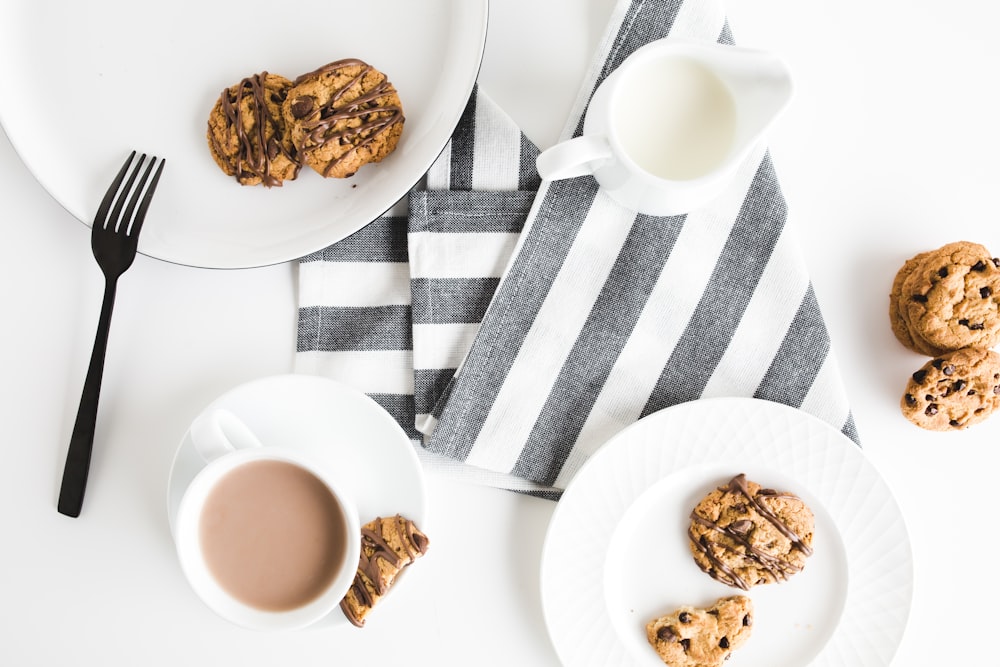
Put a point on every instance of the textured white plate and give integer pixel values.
(363, 446)
(86, 82)
(616, 553)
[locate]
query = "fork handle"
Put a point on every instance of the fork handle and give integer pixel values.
(81, 442)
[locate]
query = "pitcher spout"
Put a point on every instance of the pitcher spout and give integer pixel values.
(759, 81)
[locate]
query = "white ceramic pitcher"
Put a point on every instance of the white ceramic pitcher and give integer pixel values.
(665, 132)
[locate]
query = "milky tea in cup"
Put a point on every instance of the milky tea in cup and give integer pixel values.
(272, 534)
(667, 129)
(265, 538)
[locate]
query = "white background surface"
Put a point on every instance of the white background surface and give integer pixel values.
(888, 149)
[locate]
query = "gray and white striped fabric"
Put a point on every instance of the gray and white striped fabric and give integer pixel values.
(518, 325)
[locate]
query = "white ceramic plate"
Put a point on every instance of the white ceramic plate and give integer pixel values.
(616, 553)
(86, 82)
(333, 424)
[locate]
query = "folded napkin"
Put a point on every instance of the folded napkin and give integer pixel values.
(512, 326)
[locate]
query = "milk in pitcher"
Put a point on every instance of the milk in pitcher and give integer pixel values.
(674, 118)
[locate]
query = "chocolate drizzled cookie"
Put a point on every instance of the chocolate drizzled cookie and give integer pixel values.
(696, 637)
(343, 116)
(246, 132)
(743, 535)
(387, 546)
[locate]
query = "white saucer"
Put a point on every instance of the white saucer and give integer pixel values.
(333, 424)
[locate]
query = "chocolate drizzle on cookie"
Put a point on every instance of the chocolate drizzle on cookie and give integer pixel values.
(387, 545)
(355, 122)
(258, 147)
(735, 538)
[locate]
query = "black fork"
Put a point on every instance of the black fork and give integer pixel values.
(114, 239)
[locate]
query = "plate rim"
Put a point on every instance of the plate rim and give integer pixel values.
(622, 438)
(482, 7)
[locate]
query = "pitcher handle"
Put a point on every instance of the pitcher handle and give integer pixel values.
(575, 157)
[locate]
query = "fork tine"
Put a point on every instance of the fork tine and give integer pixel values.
(109, 196)
(115, 219)
(144, 205)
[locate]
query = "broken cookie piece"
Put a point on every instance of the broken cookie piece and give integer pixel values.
(387, 546)
(696, 637)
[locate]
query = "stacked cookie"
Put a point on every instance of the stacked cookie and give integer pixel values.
(945, 304)
(336, 119)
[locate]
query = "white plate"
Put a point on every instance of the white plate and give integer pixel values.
(616, 554)
(335, 425)
(86, 82)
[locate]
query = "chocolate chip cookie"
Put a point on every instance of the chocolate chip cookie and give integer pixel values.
(954, 391)
(694, 637)
(387, 546)
(246, 132)
(947, 299)
(900, 325)
(743, 535)
(343, 116)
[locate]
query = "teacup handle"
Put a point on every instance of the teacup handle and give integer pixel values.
(572, 158)
(220, 432)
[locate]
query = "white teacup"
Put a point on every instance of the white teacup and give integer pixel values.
(266, 538)
(665, 132)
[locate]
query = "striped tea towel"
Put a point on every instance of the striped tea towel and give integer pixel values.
(543, 322)
(355, 320)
